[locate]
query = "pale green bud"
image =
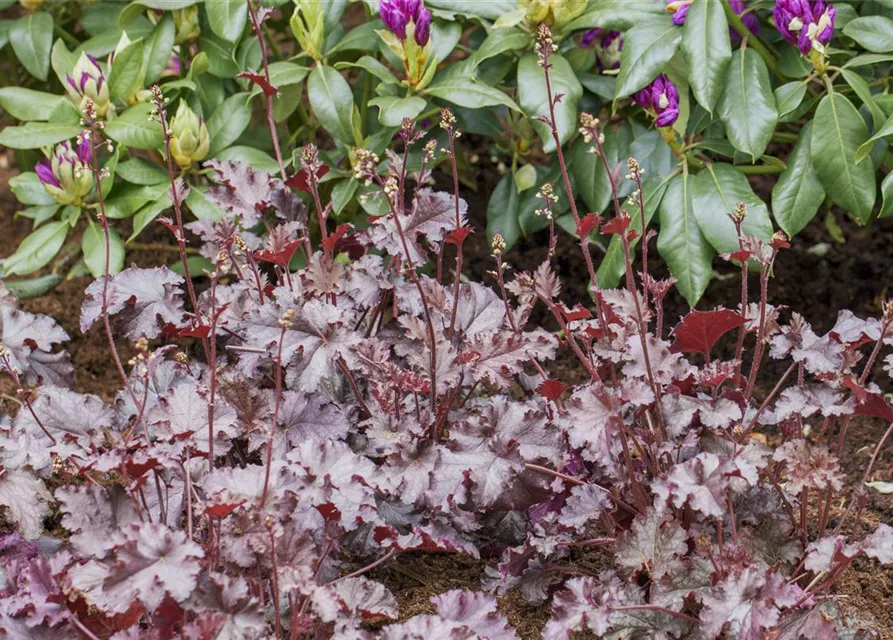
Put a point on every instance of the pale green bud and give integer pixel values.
(189, 137)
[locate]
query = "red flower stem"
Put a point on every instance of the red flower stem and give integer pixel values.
(104, 223)
(275, 421)
(271, 122)
(277, 626)
(427, 310)
(455, 169)
(584, 241)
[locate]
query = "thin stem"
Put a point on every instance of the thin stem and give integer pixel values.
(369, 567)
(458, 226)
(275, 421)
(271, 122)
(104, 224)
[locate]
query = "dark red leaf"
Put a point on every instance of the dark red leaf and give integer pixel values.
(281, 257)
(551, 389)
(588, 223)
(616, 225)
(222, 510)
(332, 241)
(699, 330)
(741, 255)
(457, 236)
(173, 331)
(137, 470)
(579, 312)
(261, 81)
(299, 180)
(869, 403)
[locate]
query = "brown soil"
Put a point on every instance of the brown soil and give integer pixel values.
(850, 275)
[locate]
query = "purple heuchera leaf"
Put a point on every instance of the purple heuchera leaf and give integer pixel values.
(584, 604)
(809, 466)
(25, 498)
(809, 24)
(27, 340)
(655, 542)
(661, 98)
(151, 563)
(140, 297)
(747, 603)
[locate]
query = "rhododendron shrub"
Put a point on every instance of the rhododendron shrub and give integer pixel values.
(284, 432)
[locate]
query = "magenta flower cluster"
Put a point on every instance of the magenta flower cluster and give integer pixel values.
(661, 98)
(397, 14)
(680, 11)
(607, 44)
(806, 23)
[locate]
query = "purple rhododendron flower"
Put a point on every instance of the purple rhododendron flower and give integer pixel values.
(679, 9)
(809, 24)
(661, 98)
(397, 14)
(607, 44)
(45, 173)
(749, 19)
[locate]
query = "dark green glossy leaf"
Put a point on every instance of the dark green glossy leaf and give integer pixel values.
(798, 194)
(837, 133)
(707, 49)
(27, 104)
(135, 129)
(227, 18)
(647, 48)
(502, 212)
(332, 101)
(875, 33)
(93, 248)
(37, 249)
(35, 135)
(747, 107)
(228, 122)
(31, 37)
(715, 191)
(681, 243)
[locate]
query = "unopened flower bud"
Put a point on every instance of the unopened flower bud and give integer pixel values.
(86, 82)
(66, 173)
(190, 141)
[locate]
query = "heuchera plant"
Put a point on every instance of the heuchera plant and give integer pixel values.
(327, 419)
(704, 93)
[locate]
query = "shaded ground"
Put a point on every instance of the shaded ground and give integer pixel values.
(851, 275)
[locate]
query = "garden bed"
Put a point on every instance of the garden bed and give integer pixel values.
(818, 283)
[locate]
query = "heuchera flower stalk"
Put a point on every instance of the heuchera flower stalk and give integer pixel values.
(807, 24)
(607, 44)
(65, 173)
(660, 98)
(87, 82)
